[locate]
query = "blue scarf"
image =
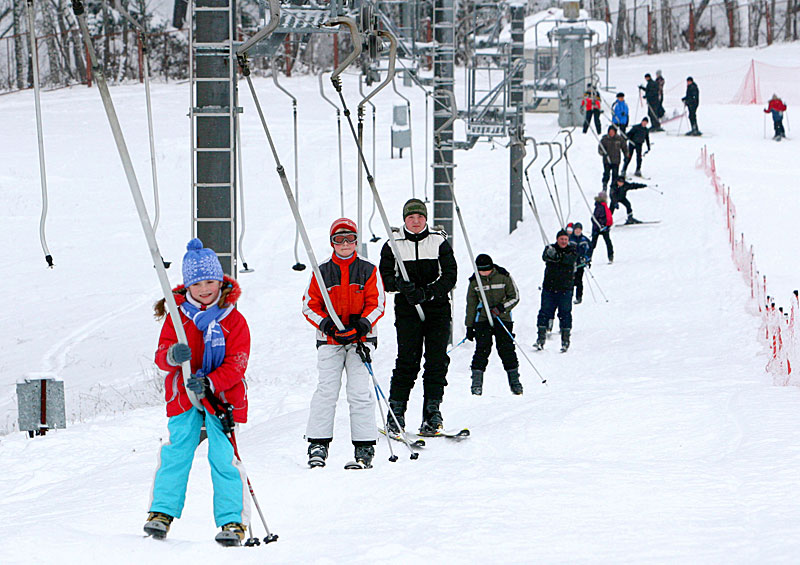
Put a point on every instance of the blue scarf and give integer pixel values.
(207, 321)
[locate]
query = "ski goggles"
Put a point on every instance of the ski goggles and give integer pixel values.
(344, 237)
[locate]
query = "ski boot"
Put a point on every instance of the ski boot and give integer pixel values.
(432, 421)
(513, 381)
(638, 173)
(578, 300)
(477, 382)
(231, 535)
(565, 340)
(363, 457)
(632, 220)
(157, 525)
(541, 337)
(317, 454)
(398, 407)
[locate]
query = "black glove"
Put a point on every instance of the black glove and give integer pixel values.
(362, 326)
(471, 333)
(419, 296)
(550, 252)
(497, 310)
(404, 286)
(178, 353)
(327, 327)
(346, 336)
(197, 384)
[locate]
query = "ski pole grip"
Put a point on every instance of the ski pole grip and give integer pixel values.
(355, 39)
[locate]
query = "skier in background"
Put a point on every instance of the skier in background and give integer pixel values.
(583, 245)
(619, 195)
(218, 349)
(591, 104)
(560, 259)
(612, 148)
(637, 136)
(692, 101)
(502, 295)
(432, 270)
(660, 82)
(776, 107)
(356, 292)
(602, 220)
(620, 109)
(650, 90)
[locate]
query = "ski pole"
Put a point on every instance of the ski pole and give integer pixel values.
(363, 352)
(603, 294)
(39, 134)
(589, 284)
(651, 187)
(456, 346)
(374, 237)
(521, 350)
(765, 126)
(385, 421)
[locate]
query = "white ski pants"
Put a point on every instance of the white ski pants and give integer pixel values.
(332, 360)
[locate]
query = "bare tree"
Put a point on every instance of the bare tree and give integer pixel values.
(619, 41)
(19, 43)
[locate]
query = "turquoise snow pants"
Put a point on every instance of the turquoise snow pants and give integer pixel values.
(231, 495)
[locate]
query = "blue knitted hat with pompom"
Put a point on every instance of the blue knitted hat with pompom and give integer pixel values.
(200, 264)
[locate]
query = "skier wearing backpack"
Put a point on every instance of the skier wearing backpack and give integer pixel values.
(602, 220)
(583, 245)
(218, 349)
(620, 109)
(356, 293)
(637, 137)
(503, 295)
(776, 107)
(432, 271)
(559, 277)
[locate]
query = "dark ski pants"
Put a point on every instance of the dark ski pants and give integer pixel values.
(610, 171)
(607, 237)
(579, 283)
(622, 127)
(414, 336)
(588, 119)
(637, 147)
(693, 116)
(552, 301)
(615, 202)
(652, 113)
(777, 123)
(483, 345)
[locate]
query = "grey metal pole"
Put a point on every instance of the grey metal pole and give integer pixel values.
(339, 136)
(410, 136)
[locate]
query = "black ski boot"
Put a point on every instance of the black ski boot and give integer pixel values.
(513, 381)
(578, 299)
(364, 455)
(231, 535)
(565, 340)
(157, 525)
(541, 337)
(632, 220)
(477, 382)
(317, 454)
(432, 421)
(638, 173)
(398, 407)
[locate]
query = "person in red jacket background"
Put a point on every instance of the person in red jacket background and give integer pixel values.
(218, 350)
(356, 293)
(591, 104)
(776, 107)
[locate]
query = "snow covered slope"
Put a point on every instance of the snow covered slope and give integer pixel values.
(658, 437)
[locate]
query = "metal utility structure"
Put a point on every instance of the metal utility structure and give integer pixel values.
(571, 72)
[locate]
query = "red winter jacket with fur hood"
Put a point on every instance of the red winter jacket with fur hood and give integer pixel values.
(227, 380)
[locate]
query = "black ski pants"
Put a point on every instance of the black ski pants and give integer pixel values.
(413, 337)
(579, 283)
(607, 237)
(552, 302)
(483, 345)
(633, 147)
(610, 171)
(652, 113)
(692, 115)
(588, 119)
(624, 201)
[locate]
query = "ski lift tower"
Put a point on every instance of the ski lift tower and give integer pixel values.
(443, 81)
(572, 77)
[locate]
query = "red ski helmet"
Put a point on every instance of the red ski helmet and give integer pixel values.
(343, 223)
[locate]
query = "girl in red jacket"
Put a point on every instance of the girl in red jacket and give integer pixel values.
(591, 104)
(356, 292)
(218, 349)
(776, 107)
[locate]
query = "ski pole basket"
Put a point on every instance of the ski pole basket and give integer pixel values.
(40, 403)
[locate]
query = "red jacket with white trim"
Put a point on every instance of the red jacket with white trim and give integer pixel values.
(356, 291)
(227, 380)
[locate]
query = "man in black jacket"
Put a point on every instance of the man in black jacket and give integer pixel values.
(692, 101)
(637, 137)
(612, 148)
(559, 277)
(619, 195)
(432, 271)
(651, 96)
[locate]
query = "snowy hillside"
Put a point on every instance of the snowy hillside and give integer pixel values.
(658, 438)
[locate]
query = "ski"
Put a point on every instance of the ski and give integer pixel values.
(452, 434)
(412, 441)
(639, 223)
(356, 465)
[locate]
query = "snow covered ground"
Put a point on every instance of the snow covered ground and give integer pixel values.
(658, 437)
